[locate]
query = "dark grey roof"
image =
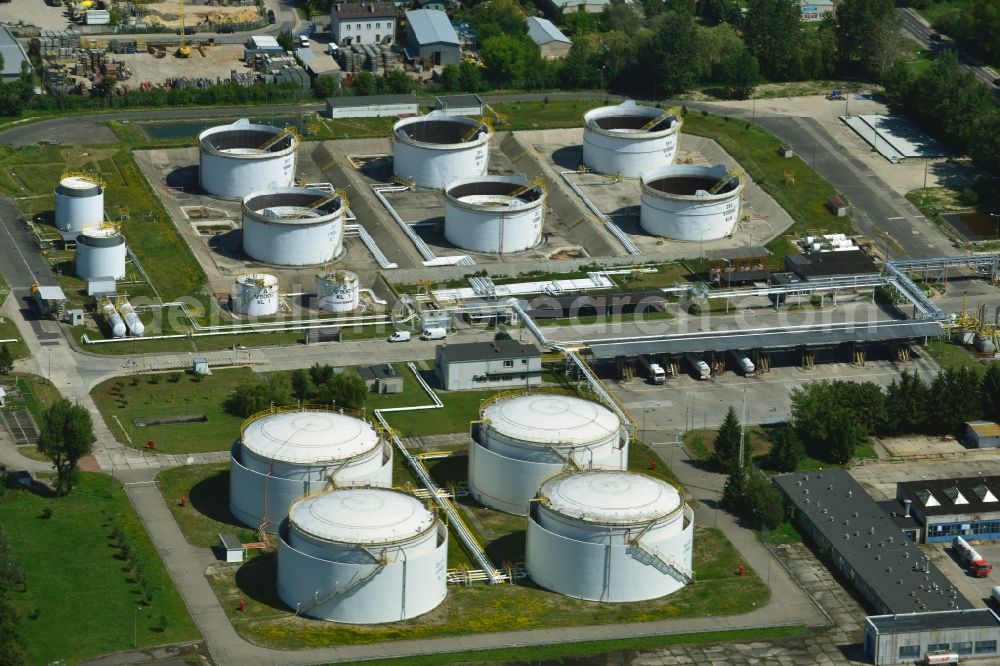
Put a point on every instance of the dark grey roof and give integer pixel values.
(487, 351)
(956, 619)
(349, 101)
(824, 264)
(359, 10)
(949, 494)
(446, 101)
(826, 335)
(896, 512)
(862, 533)
(379, 371)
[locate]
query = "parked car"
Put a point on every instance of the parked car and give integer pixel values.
(271, 18)
(399, 336)
(935, 36)
(434, 334)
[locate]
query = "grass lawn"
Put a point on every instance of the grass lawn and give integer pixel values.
(557, 653)
(206, 512)
(757, 153)
(951, 356)
(719, 591)
(460, 407)
(8, 331)
(782, 534)
(36, 393)
(701, 443)
(128, 398)
(412, 394)
(81, 595)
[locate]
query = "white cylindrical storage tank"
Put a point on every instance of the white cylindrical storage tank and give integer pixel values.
(293, 226)
(135, 326)
(678, 202)
(362, 556)
(609, 536)
(338, 291)
(79, 203)
(284, 455)
(244, 157)
(495, 214)
(115, 323)
(435, 149)
(629, 139)
(255, 295)
(523, 439)
(100, 253)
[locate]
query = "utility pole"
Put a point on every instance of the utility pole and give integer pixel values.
(743, 429)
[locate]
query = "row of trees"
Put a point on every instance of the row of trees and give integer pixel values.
(321, 384)
(833, 418)
(6, 360)
(974, 23)
(952, 105)
(12, 580)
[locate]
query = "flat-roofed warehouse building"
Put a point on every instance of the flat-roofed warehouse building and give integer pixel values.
(494, 364)
(968, 507)
(866, 546)
(372, 106)
(897, 639)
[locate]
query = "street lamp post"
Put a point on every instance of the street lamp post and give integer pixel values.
(996, 221)
(135, 627)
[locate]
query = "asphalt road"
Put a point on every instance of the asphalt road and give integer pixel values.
(916, 28)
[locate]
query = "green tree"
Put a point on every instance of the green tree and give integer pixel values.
(740, 74)
(301, 386)
(955, 397)
(844, 441)
(344, 389)
(6, 360)
(713, 12)
(859, 25)
(764, 506)
(772, 31)
(727, 444)
(990, 392)
(672, 54)
(364, 84)
(906, 405)
(67, 435)
(621, 16)
(449, 79)
(257, 394)
(580, 66)
(398, 82)
(470, 77)
(833, 418)
(321, 373)
(734, 492)
(581, 22)
(325, 86)
(786, 450)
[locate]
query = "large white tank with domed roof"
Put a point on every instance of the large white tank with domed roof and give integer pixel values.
(285, 454)
(362, 556)
(628, 536)
(523, 438)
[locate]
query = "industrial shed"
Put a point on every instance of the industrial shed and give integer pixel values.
(866, 546)
(459, 105)
(897, 639)
(946, 508)
(982, 434)
(488, 365)
(382, 378)
(372, 106)
(551, 42)
(430, 35)
(13, 56)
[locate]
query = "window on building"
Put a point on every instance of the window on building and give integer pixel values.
(524, 361)
(962, 648)
(909, 651)
(508, 364)
(986, 647)
(521, 378)
(507, 378)
(933, 647)
(369, 26)
(378, 26)
(347, 27)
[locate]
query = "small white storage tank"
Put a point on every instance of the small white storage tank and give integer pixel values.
(244, 157)
(255, 295)
(629, 139)
(79, 203)
(293, 226)
(678, 202)
(523, 438)
(435, 149)
(362, 556)
(283, 455)
(100, 253)
(115, 323)
(495, 214)
(338, 291)
(135, 326)
(609, 536)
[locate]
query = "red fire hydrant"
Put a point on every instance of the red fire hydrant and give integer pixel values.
(150, 444)
(741, 570)
(243, 604)
(184, 500)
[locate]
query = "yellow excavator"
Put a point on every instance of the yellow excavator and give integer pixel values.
(184, 50)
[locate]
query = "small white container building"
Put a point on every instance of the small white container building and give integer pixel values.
(609, 536)
(293, 226)
(629, 139)
(283, 455)
(522, 439)
(494, 214)
(362, 556)
(246, 157)
(690, 202)
(436, 149)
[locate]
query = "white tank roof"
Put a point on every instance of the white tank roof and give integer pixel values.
(546, 419)
(610, 496)
(309, 437)
(362, 515)
(77, 183)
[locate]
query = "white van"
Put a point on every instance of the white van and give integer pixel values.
(434, 334)
(399, 336)
(941, 657)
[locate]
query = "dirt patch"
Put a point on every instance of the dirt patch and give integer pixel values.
(170, 420)
(905, 447)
